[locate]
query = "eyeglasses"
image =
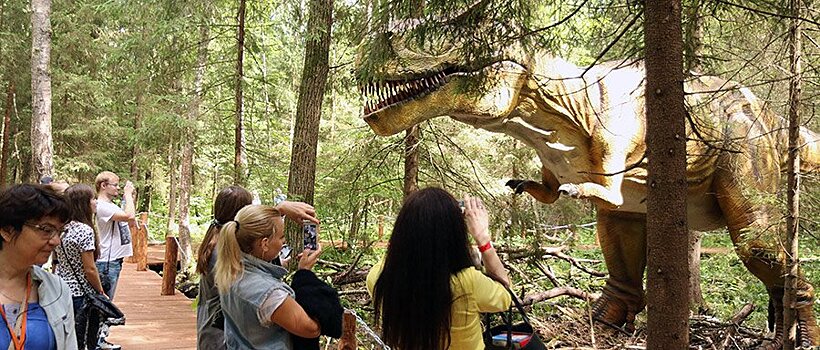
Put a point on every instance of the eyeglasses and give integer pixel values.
(115, 185)
(47, 231)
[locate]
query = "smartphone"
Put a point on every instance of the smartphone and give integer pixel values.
(309, 235)
(285, 252)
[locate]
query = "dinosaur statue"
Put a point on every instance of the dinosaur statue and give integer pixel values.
(587, 126)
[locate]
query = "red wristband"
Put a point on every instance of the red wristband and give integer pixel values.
(487, 246)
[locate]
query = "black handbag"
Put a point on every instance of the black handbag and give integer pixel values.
(511, 336)
(103, 306)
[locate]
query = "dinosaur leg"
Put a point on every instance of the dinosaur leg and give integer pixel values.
(623, 243)
(758, 244)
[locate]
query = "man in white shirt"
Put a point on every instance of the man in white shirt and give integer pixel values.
(115, 237)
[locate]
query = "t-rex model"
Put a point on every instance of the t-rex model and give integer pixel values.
(588, 130)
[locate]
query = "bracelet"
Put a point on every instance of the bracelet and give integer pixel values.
(487, 246)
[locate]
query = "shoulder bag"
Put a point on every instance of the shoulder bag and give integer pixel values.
(508, 336)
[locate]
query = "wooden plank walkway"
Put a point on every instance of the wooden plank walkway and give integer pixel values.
(153, 322)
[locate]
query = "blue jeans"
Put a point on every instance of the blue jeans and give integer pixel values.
(86, 323)
(110, 270)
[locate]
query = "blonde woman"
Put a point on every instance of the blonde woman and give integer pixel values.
(260, 309)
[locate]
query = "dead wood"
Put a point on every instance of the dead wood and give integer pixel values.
(556, 292)
(556, 252)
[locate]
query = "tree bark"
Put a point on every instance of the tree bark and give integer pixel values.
(667, 233)
(693, 47)
(411, 161)
(42, 149)
(412, 135)
(4, 154)
(186, 174)
(793, 178)
(240, 160)
(172, 189)
(302, 178)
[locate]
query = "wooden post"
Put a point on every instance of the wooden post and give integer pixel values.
(169, 269)
(132, 226)
(141, 243)
(381, 227)
(348, 340)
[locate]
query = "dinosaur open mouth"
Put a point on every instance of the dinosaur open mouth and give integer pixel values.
(391, 92)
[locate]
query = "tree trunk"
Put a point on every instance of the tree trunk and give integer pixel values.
(667, 233)
(42, 149)
(793, 181)
(693, 47)
(186, 174)
(146, 192)
(411, 161)
(302, 178)
(4, 154)
(694, 38)
(240, 161)
(412, 135)
(172, 189)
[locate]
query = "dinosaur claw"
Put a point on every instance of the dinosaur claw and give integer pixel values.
(516, 185)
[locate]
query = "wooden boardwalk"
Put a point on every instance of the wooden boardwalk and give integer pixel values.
(153, 322)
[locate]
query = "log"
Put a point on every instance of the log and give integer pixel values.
(169, 268)
(141, 243)
(348, 340)
(555, 292)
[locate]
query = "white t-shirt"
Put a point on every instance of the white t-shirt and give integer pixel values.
(114, 243)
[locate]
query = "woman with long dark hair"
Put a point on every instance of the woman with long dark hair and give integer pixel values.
(210, 333)
(426, 291)
(77, 254)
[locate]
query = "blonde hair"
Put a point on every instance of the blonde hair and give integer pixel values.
(104, 177)
(236, 237)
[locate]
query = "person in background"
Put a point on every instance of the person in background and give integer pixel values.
(115, 242)
(210, 323)
(78, 252)
(36, 305)
(426, 292)
(259, 307)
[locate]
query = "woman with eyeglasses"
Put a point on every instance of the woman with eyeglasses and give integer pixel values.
(37, 309)
(78, 251)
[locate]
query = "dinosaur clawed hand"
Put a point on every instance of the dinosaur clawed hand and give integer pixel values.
(517, 185)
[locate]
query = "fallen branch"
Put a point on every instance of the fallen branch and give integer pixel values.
(555, 252)
(556, 292)
(736, 320)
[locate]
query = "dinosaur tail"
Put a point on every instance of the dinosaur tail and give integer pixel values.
(809, 151)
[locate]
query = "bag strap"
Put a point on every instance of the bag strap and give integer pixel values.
(73, 271)
(518, 306)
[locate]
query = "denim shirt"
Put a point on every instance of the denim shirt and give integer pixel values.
(55, 299)
(242, 327)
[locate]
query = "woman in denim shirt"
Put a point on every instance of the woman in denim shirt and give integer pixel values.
(210, 324)
(259, 308)
(36, 306)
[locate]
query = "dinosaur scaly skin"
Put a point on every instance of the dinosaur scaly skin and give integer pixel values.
(583, 128)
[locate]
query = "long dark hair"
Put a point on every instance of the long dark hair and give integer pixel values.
(227, 204)
(413, 295)
(78, 197)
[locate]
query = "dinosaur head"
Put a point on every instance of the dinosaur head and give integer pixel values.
(423, 79)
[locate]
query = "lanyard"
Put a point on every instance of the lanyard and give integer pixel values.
(20, 342)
